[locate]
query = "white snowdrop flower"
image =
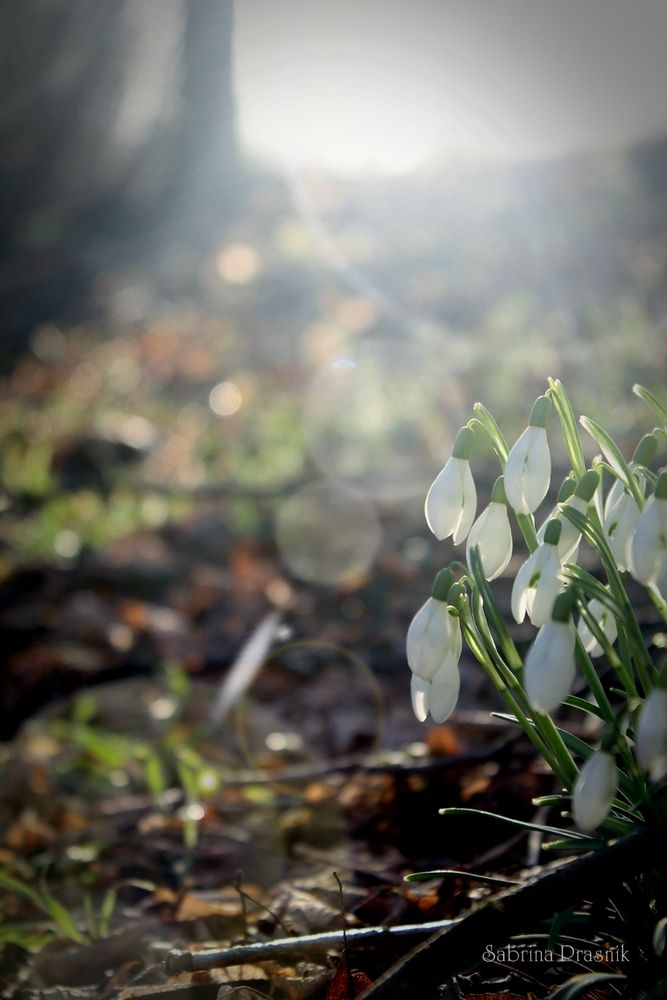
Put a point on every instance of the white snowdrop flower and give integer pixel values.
(538, 582)
(492, 535)
(570, 536)
(621, 515)
(528, 467)
(434, 649)
(451, 501)
(594, 791)
(607, 622)
(647, 550)
(433, 637)
(550, 668)
(651, 734)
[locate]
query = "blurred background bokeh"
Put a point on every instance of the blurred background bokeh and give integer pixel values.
(257, 262)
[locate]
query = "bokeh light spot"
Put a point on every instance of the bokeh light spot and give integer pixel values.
(326, 535)
(238, 264)
(225, 399)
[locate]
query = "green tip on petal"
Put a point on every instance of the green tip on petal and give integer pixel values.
(587, 485)
(463, 444)
(540, 412)
(567, 489)
(563, 606)
(645, 450)
(441, 585)
(552, 532)
(498, 491)
(661, 487)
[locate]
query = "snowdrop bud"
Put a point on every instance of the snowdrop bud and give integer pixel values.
(621, 515)
(492, 535)
(570, 535)
(528, 466)
(607, 623)
(434, 636)
(538, 582)
(651, 735)
(549, 670)
(594, 791)
(648, 549)
(451, 501)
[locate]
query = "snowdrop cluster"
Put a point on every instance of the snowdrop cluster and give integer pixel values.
(617, 510)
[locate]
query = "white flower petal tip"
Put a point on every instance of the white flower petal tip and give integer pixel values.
(419, 694)
(437, 696)
(434, 636)
(536, 585)
(651, 748)
(444, 692)
(594, 791)
(492, 535)
(528, 471)
(607, 623)
(451, 501)
(647, 551)
(550, 667)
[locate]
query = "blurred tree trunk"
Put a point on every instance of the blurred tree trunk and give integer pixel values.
(117, 136)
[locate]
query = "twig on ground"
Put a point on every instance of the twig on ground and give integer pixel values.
(308, 946)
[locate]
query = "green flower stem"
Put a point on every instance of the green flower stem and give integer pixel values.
(510, 651)
(609, 651)
(597, 690)
(568, 424)
(527, 525)
(489, 425)
(567, 769)
(591, 528)
(657, 601)
(476, 645)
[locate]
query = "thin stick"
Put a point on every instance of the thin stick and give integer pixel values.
(290, 949)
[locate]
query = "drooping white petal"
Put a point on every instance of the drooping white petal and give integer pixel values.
(444, 691)
(648, 549)
(570, 536)
(527, 471)
(419, 694)
(521, 585)
(594, 791)
(492, 534)
(651, 735)
(605, 619)
(469, 506)
(536, 585)
(550, 666)
(431, 638)
(451, 501)
(540, 599)
(620, 522)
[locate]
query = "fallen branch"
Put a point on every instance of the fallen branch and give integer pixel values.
(494, 921)
(307, 946)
